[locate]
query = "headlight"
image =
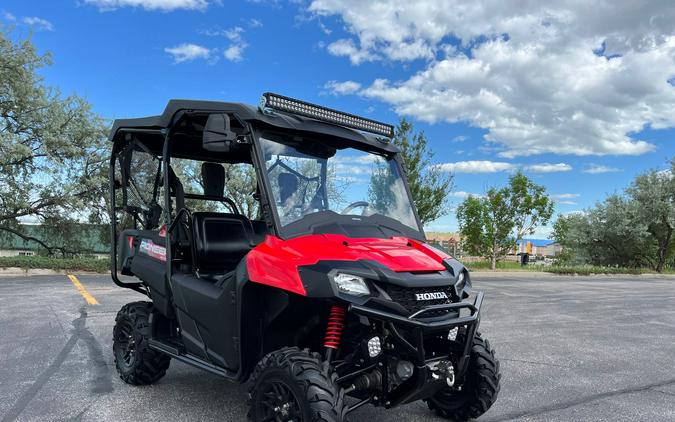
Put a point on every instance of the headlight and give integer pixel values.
(463, 284)
(460, 281)
(351, 284)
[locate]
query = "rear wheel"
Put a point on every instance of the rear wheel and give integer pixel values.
(480, 388)
(136, 363)
(295, 385)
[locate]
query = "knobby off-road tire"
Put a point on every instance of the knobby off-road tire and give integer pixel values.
(480, 388)
(136, 363)
(293, 384)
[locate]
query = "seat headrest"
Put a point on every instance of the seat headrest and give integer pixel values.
(213, 179)
(288, 184)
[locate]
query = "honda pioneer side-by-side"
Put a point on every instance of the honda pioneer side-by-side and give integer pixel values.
(279, 245)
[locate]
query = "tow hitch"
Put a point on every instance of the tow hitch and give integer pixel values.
(443, 369)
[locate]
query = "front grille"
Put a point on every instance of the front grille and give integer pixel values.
(407, 297)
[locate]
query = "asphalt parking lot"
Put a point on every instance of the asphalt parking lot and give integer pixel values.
(571, 349)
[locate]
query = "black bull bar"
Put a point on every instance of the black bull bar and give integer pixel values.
(419, 387)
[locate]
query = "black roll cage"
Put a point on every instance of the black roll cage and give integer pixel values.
(254, 124)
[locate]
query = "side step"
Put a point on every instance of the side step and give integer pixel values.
(173, 351)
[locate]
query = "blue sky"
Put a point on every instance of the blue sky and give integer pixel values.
(557, 95)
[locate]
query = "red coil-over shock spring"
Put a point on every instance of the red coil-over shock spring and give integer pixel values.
(335, 326)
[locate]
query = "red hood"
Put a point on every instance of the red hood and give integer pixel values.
(275, 262)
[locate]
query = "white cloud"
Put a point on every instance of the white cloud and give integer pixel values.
(459, 138)
(542, 232)
(342, 88)
(351, 170)
(255, 23)
(212, 32)
(573, 212)
(353, 180)
(38, 23)
(667, 174)
(565, 195)
(358, 159)
(463, 195)
(565, 198)
(234, 34)
(8, 16)
(563, 77)
(485, 166)
(548, 168)
(188, 52)
(235, 52)
(163, 5)
(598, 169)
(346, 47)
(326, 30)
(477, 167)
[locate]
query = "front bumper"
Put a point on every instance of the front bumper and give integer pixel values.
(416, 320)
(417, 328)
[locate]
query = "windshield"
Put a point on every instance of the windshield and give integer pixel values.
(308, 178)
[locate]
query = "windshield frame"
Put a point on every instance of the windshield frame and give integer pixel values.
(296, 229)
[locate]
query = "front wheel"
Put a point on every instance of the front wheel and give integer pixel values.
(480, 388)
(295, 385)
(135, 361)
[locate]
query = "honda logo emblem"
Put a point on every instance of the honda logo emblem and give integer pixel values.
(431, 296)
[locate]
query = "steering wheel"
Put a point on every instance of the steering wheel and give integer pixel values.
(358, 204)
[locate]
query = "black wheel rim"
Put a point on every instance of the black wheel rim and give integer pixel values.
(277, 403)
(125, 344)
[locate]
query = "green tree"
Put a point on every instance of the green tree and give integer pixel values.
(429, 186)
(654, 197)
(241, 186)
(380, 194)
(530, 204)
(634, 229)
(614, 235)
(609, 234)
(486, 224)
(490, 225)
(565, 233)
(561, 228)
(52, 160)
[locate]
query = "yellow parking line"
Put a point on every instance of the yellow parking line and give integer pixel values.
(80, 288)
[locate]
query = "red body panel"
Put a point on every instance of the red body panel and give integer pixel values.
(275, 262)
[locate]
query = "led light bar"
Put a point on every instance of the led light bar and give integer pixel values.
(301, 108)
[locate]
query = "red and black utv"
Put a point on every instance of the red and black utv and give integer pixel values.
(279, 244)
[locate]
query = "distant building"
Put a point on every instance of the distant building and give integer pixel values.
(88, 240)
(538, 247)
(449, 242)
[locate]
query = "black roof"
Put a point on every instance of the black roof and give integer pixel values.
(245, 112)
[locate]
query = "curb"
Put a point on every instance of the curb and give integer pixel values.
(28, 272)
(514, 273)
